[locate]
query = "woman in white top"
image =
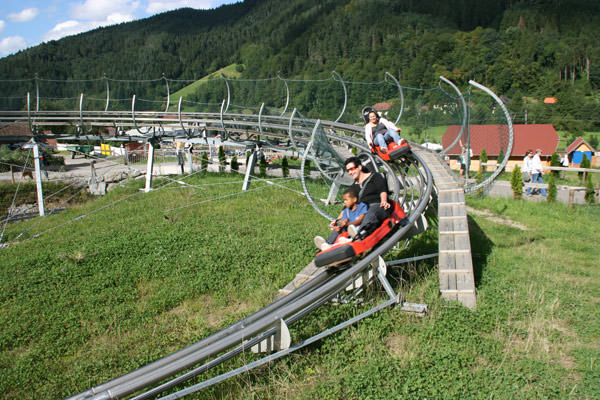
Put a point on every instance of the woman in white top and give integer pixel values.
(379, 131)
(527, 165)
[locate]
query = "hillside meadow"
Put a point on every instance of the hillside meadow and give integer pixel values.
(145, 274)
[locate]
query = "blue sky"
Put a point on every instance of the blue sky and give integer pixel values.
(26, 23)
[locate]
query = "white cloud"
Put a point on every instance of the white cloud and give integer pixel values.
(73, 27)
(100, 10)
(12, 44)
(155, 7)
(24, 16)
(67, 28)
(2, 25)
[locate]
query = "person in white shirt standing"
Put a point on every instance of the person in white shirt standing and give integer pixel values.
(537, 171)
(526, 169)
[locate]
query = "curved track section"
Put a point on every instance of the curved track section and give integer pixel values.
(413, 182)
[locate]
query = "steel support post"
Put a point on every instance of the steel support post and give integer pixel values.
(249, 168)
(149, 167)
(333, 190)
(189, 160)
(38, 178)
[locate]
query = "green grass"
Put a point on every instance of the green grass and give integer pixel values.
(431, 134)
(229, 71)
(113, 291)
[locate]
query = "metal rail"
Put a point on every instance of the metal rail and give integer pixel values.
(290, 308)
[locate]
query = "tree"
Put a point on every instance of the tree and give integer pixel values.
(555, 162)
(585, 163)
(483, 158)
(516, 182)
(285, 168)
(551, 188)
(234, 163)
(262, 167)
(222, 160)
(589, 193)
(501, 156)
(204, 162)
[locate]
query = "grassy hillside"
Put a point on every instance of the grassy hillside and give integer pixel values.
(230, 72)
(156, 271)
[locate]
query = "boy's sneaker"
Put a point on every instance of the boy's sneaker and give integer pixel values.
(352, 231)
(321, 243)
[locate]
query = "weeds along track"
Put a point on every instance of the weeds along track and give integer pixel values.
(326, 144)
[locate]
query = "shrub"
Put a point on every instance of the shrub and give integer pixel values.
(262, 168)
(222, 161)
(307, 168)
(234, 163)
(551, 188)
(483, 158)
(501, 156)
(285, 168)
(589, 193)
(585, 163)
(204, 161)
(516, 182)
(555, 162)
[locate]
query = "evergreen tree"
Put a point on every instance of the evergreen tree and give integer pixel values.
(555, 162)
(585, 163)
(516, 182)
(262, 168)
(204, 162)
(285, 168)
(501, 156)
(551, 189)
(483, 158)
(589, 193)
(222, 160)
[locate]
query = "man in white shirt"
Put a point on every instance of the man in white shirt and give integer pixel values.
(536, 172)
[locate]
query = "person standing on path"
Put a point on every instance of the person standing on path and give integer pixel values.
(537, 170)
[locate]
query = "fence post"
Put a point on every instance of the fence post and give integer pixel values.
(571, 197)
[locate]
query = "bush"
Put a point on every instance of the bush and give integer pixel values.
(501, 156)
(555, 162)
(307, 168)
(285, 168)
(585, 163)
(552, 188)
(204, 162)
(589, 193)
(222, 161)
(262, 168)
(234, 163)
(516, 182)
(483, 158)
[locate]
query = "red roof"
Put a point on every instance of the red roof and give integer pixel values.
(576, 143)
(384, 106)
(15, 129)
(489, 137)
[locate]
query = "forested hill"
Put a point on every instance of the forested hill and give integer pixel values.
(519, 48)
